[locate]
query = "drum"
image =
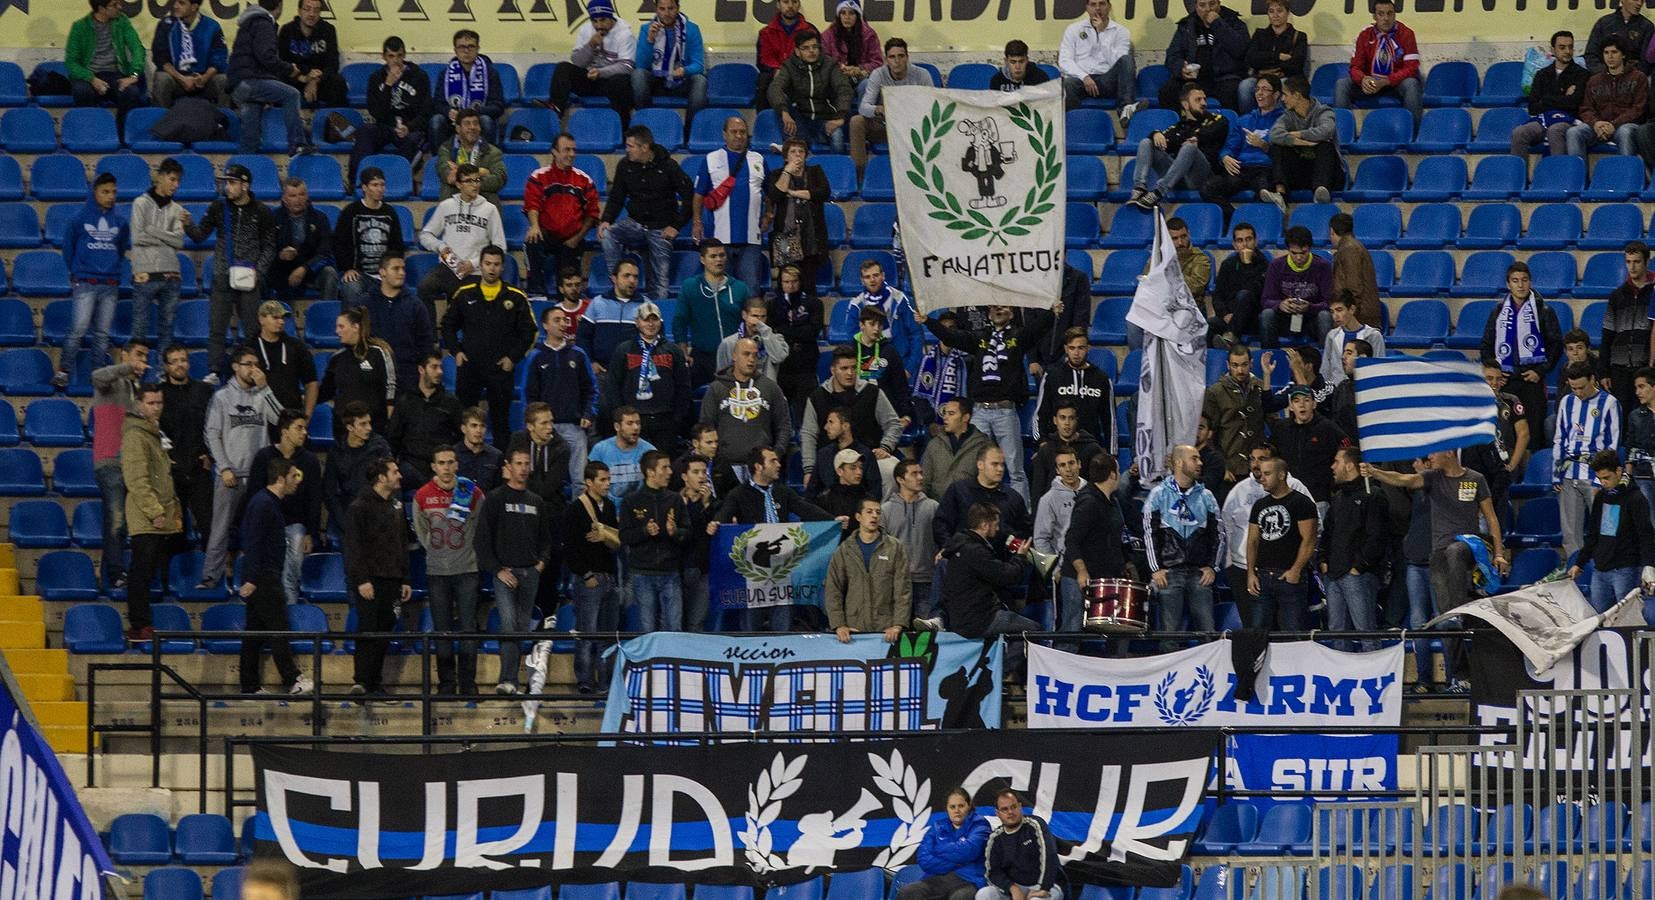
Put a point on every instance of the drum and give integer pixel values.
(1116, 606)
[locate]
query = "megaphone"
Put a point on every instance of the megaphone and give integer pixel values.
(1043, 563)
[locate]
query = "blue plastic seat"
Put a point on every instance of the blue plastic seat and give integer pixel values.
(1379, 178)
(141, 839)
(1533, 564)
(1468, 325)
(1131, 228)
(1552, 227)
(1556, 178)
(199, 181)
(1283, 827)
(72, 475)
(1605, 828)
(802, 890)
(21, 474)
(1205, 222)
(53, 422)
(14, 88)
(1495, 127)
(1603, 273)
(1109, 321)
(28, 129)
(1085, 178)
(1438, 178)
(1230, 824)
(707, 127)
(871, 228)
(305, 617)
(1484, 275)
(1502, 85)
(596, 130)
(1091, 131)
(399, 176)
(131, 174)
(173, 883)
(1378, 225)
(1615, 178)
(858, 885)
(267, 182)
(57, 176)
(1420, 323)
(666, 125)
(971, 76)
(841, 175)
(1554, 275)
(1384, 131)
(95, 628)
(1431, 226)
(19, 226)
(1450, 83)
(322, 578)
(1599, 880)
(608, 890)
(1497, 178)
(1442, 131)
(89, 129)
(542, 124)
(319, 129)
(1121, 268)
(1491, 226)
(67, 574)
(645, 890)
(223, 619)
(170, 617)
(137, 136)
(321, 174)
(732, 84)
(723, 892)
(1326, 78)
(227, 882)
(1612, 224)
(185, 572)
(1536, 481)
(39, 524)
(877, 184)
(1537, 524)
(1266, 220)
(850, 272)
(190, 323)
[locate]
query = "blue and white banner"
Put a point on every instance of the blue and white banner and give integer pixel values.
(48, 848)
(673, 682)
(1407, 408)
(1336, 765)
(758, 566)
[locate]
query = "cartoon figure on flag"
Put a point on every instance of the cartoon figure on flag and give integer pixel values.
(1174, 366)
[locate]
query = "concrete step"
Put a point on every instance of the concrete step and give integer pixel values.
(17, 634)
(65, 738)
(46, 687)
(37, 661)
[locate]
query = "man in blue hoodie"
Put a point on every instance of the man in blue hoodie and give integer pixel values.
(671, 60)
(190, 56)
(94, 243)
(1244, 165)
(258, 77)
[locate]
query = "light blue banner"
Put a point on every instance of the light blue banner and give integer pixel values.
(757, 566)
(705, 683)
(47, 846)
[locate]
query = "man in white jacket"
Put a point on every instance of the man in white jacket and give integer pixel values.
(1095, 59)
(457, 232)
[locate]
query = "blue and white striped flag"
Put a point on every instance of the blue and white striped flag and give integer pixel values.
(1408, 408)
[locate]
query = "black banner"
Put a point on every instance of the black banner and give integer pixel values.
(1124, 809)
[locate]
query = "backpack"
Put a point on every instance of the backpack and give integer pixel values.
(191, 119)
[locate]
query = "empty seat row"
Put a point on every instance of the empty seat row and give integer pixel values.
(1500, 177)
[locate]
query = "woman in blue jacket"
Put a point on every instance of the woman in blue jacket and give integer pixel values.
(951, 855)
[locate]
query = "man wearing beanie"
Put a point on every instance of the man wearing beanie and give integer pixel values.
(600, 65)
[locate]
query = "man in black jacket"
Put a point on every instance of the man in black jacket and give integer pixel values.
(656, 195)
(288, 366)
(1094, 545)
(262, 561)
(257, 77)
(1238, 290)
(1355, 546)
(346, 474)
(376, 568)
(765, 499)
(301, 506)
(1307, 441)
(1183, 155)
(514, 542)
(973, 579)
(426, 418)
(237, 220)
(1626, 22)
(304, 241)
(1072, 380)
(989, 486)
(1209, 49)
(1067, 435)
(184, 422)
(654, 527)
(1554, 103)
(311, 44)
(548, 454)
(399, 97)
(489, 327)
(1022, 854)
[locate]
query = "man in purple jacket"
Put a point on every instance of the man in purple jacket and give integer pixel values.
(1297, 289)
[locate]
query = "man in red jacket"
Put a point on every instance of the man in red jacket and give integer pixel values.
(1385, 63)
(775, 45)
(561, 204)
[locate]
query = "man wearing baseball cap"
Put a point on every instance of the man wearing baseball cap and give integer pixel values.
(651, 375)
(288, 367)
(1307, 441)
(848, 492)
(244, 244)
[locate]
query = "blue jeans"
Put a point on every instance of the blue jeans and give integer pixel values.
(1581, 139)
(1420, 610)
(693, 88)
(1610, 585)
(113, 488)
(253, 96)
(516, 605)
(1347, 91)
(1353, 604)
(1011, 625)
(94, 308)
(454, 608)
(1281, 606)
(697, 594)
(1120, 83)
(1185, 594)
(1186, 167)
(597, 609)
(815, 131)
(1071, 609)
(660, 600)
(294, 562)
(575, 437)
(628, 234)
(162, 294)
(1005, 428)
(1646, 486)
(747, 262)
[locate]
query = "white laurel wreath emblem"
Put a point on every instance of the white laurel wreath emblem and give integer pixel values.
(910, 800)
(1180, 711)
(764, 805)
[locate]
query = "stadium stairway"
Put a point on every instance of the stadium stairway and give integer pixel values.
(42, 672)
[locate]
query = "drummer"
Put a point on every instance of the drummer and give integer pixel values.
(1092, 545)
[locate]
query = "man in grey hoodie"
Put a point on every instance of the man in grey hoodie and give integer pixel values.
(238, 423)
(1304, 146)
(868, 126)
(749, 410)
(1051, 516)
(157, 225)
(907, 515)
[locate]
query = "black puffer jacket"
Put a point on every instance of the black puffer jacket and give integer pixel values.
(656, 193)
(971, 581)
(1220, 48)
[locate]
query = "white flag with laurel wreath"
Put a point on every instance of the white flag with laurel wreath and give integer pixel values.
(979, 193)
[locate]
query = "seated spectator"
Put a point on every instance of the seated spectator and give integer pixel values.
(600, 65)
(1626, 22)
(1244, 165)
(1297, 288)
(868, 126)
(1353, 270)
(367, 229)
(1095, 59)
(671, 61)
(896, 311)
(1554, 101)
(1239, 289)
(1304, 146)
(399, 97)
(1015, 72)
(951, 854)
(1615, 101)
(469, 145)
(458, 230)
(1208, 48)
(775, 45)
(651, 188)
(1185, 154)
(1385, 62)
(190, 56)
(311, 44)
(561, 203)
(852, 43)
(811, 95)
(105, 58)
(1278, 49)
(257, 77)
(304, 258)
(469, 82)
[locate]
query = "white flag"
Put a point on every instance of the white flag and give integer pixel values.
(1547, 620)
(1173, 377)
(979, 193)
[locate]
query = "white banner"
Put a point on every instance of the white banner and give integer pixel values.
(979, 193)
(1172, 375)
(1302, 683)
(1549, 619)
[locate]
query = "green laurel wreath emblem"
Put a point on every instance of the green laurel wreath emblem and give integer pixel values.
(925, 174)
(745, 568)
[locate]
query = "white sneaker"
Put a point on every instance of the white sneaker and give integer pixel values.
(1272, 197)
(505, 688)
(303, 685)
(932, 624)
(1127, 112)
(1321, 195)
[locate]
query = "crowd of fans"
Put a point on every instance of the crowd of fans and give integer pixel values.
(636, 446)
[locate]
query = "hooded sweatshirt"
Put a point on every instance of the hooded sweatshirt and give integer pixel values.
(94, 241)
(464, 228)
(157, 234)
(1088, 388)
(1051, 516)
(748, 414)
(254, 55)
(237, 425)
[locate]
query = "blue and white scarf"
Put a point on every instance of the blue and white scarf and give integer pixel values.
(1520, 341)
(1385, 52)
(669, 51)
(463, 89)
(771, 514)
(764, 353)
(647, 375)
(459, 506)
(181, 43)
